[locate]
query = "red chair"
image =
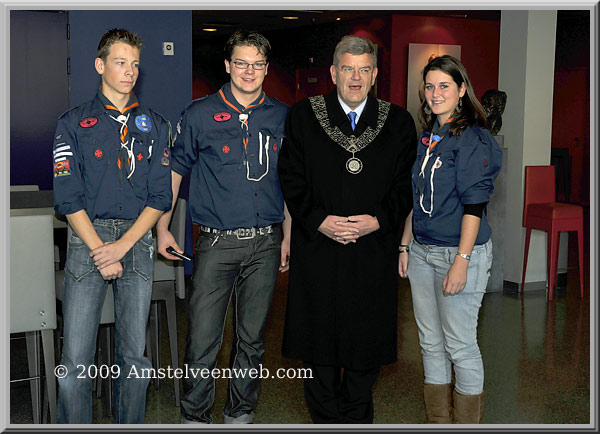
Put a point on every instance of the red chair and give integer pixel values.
(540, 211)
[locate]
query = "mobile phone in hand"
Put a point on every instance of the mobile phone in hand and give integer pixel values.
(174, 252)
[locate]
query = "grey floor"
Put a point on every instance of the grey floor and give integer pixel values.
(536, 355)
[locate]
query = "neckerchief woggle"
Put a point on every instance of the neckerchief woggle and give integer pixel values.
(243, 118)
(125, 157)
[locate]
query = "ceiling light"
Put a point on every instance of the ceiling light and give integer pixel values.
(209, 30)
(338, 18)
(290, 18)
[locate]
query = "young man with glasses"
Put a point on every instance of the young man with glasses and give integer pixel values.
(345, 174)
(112, 181)
(230, 142)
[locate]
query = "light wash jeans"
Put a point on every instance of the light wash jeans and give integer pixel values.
(447, 324)
(225, 268)
(83, 298)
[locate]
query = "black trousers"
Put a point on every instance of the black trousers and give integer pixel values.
(339, 395)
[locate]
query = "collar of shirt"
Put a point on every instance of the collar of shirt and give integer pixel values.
(441, 131)
(358, 110)
(131, 103)
(230, 100)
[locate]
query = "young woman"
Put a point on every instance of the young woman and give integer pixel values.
(446, 250)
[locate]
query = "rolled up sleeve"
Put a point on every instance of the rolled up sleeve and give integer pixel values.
(68, 188)
(160, 194)
(185, 153)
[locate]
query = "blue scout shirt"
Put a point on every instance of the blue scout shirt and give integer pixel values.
(460, 170)
(232, 153)
(87, 146)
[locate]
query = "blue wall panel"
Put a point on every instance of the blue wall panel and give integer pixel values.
(165, 82)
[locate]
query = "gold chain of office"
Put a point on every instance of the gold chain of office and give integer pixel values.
(351, 143)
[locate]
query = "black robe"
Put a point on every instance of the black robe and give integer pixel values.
(342, 299)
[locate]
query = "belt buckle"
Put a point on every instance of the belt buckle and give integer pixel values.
(248, 234)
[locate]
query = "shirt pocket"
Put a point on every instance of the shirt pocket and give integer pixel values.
(224, 146)
(141, 151)
(94, 150)
(270, 140)
(443, 172)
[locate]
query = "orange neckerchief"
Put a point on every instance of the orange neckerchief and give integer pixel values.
(245, 121)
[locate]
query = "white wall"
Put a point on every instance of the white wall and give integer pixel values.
(527, 45)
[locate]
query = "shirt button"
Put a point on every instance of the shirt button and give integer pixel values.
(256, 194)
(257, 214)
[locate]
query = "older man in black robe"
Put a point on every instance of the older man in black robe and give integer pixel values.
(344, 170)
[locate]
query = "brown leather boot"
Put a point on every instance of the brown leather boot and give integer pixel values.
(468, 408)
(438, 402)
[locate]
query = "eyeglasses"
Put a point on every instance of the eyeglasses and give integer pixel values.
(365, 70)
(240, 64)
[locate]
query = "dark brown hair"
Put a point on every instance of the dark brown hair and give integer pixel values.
(248, 38)
(117, 35)
(470, 114)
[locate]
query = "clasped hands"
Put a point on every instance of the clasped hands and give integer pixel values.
(346, 230)
(107, 257)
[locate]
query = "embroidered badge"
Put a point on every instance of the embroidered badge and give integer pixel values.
(226, 149)
(98, 154)
(59, 137)
(485, 163)
(88, 122)
(425, 140)
(61, 168)
(164, 161)
(438, 164)
(275, 147)
(143, 123)
(140, 156)
(222, 116)
(166, 152)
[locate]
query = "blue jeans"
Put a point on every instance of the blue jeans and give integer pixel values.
(447, 324)
(224, 268)
(83, 298)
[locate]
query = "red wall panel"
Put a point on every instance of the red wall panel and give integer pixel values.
(479, 41)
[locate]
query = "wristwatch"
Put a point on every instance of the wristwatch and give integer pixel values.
(403, 248)
(464, 255)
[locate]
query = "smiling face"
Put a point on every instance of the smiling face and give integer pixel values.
(353, 76)
(119, 72)
(246, 83)
(442, 94)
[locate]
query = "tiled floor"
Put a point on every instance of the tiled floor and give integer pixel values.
(536, 356)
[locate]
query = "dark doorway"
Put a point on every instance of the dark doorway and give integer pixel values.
(39, 92)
